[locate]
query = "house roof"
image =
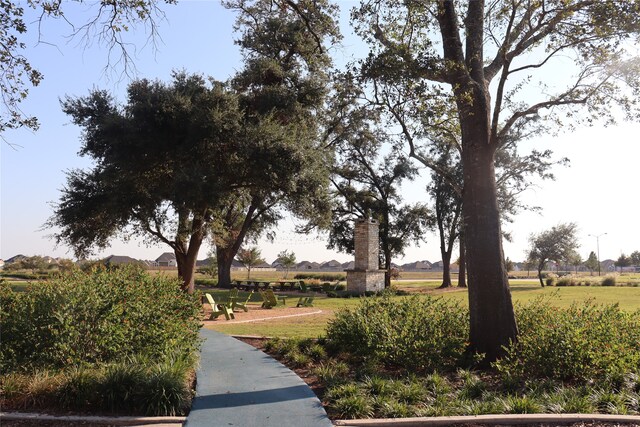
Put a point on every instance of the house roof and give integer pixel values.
(14, 258)
(331, 264)
(166, 257)
(418, 265)
(120, 259)
(349, 265)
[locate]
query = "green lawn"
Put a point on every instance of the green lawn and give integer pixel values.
(522, 292)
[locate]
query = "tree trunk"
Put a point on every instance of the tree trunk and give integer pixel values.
(387, 269)
(462, 272)
(540, 276)
(446, 270)
(187, 265)
(492, 320)
(224, 257)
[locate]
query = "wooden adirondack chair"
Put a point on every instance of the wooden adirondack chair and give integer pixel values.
(305, 302)
(218, 309)
(270, 300)
(235, 303)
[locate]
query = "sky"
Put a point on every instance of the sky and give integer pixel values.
(598, 191)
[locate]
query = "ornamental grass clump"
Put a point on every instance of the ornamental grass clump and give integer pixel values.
(416, 333)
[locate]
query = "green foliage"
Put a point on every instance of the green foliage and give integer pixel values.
(96, 317)
(412, 333)
(608, 281)
(128, 387)
(584, 342)
(592, 262)
(209, 283)
(558, 243)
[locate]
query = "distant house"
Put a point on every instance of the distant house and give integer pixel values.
(307, 265)
(167, 259)
(15, 258)
(204, 262)
(417, 266)
(119, 260)
(332, 265)
(608, 265)
(349, 265)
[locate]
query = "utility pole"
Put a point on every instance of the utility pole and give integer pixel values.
(597, 236)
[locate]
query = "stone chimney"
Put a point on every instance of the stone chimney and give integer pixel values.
(366, 276)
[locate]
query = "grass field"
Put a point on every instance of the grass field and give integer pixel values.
(522, 292)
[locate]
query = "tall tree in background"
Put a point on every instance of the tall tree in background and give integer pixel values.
(556, 244)
(479, 58)
(284, 83)
(162, 163)
(447, 207)
(174, 161)
(369, 186)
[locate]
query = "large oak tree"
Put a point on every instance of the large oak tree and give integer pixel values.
(479, 59)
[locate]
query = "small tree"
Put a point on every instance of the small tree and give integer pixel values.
(575, 260)
(211, 267)
(508, 265)
(555, 244)
(592, 262)
(635, 258)
(249, 258)
(287, 260)
(623, 261)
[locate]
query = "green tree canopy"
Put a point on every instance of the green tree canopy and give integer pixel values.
(250, 258)
(556, 244)
(623, 261)
(592, 262)
(288, 260)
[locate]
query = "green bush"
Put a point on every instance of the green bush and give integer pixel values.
(415, 333)
(131, 386)
(609, 281)
(96, 317)
(582, 343)
(210, 283)
(567, 281)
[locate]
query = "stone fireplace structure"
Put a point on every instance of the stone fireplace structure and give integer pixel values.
(366, 275)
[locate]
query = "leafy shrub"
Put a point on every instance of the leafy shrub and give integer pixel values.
(550, 281)
(96, 317)
(566, 281)
(609, 281)
(414, 333)
(210, 283)
(583, 342)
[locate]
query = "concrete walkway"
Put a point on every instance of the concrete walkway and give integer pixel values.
(238, 385)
